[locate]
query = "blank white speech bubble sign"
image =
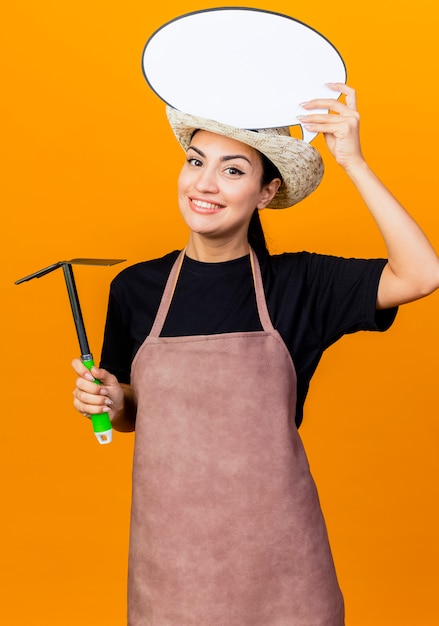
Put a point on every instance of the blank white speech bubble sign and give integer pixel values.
(243, 67)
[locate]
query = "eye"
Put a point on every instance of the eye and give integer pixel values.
(194, 161)
(234, 171)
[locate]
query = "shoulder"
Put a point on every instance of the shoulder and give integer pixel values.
(297, 269)
(316, 284)
(284, 263)
(300, 260)
(313, 266)
(153, 272)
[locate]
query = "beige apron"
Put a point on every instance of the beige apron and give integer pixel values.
(226, 526)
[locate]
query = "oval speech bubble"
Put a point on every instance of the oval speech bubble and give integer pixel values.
(243, 67)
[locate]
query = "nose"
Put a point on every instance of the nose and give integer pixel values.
(206, 180)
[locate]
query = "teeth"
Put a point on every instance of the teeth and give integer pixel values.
(206, 205)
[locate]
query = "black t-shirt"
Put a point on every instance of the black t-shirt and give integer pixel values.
(312, 299)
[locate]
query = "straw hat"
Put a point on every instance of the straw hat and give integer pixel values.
(300, 164)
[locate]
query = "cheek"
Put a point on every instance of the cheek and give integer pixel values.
(182, 191)
(181, 180)
(186, 180)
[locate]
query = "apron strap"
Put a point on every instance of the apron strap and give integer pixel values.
(171, 283)
(261, 302)
(167, 296)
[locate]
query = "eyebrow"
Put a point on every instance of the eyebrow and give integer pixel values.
(228, 157)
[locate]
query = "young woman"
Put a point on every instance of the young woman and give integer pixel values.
(208, 354)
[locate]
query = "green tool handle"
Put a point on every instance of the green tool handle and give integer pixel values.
(101, 423)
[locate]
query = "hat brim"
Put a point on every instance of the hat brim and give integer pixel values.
(300, 164)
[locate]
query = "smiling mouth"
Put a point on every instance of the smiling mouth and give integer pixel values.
(207, 207)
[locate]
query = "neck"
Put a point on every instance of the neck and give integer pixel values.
(214, 251)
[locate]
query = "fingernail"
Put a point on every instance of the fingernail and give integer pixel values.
(108, 402)
(88, 376)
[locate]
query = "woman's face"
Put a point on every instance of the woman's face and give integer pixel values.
(219, 186)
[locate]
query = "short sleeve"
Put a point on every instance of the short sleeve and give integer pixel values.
(315, 299)
(134, 298)
(117, 346)
(342, 294)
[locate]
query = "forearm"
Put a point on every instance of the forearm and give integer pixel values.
(413, 265)
(124, 419)
(413, 268)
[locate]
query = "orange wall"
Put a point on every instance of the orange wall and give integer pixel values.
(87, 157)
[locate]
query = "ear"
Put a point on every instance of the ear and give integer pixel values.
(268, 192)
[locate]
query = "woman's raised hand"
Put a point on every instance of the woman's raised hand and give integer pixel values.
(340, 125)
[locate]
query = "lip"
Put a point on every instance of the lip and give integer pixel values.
(198, 205)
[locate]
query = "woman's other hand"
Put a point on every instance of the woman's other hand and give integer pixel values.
(91, 398)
